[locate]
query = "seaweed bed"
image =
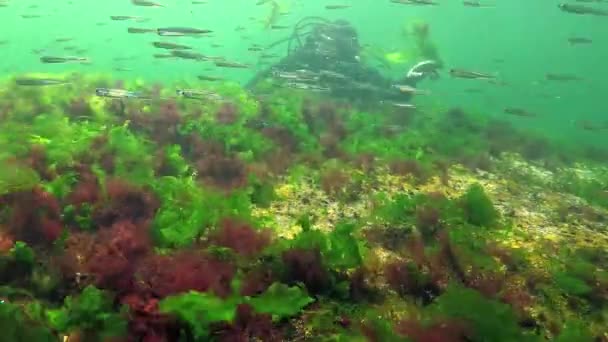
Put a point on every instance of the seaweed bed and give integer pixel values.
(288, 218)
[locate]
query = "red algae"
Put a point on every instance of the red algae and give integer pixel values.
(146, 323)
(306, 266)
(125, 202)
(227, 114)
(248, 326)
(116, 253)
(185, 271)
(257, 280)
(35, 216)
(444, 331)
(241, 237)
(225, 173)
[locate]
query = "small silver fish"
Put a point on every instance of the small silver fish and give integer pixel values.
(461, 73)
(406, 89)
(118, 93)
(68, 59)
(199, 94)
(36, 82)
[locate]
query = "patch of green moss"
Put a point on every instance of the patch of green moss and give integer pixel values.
(574, 330)
(175, 164)
(571, 285)
(133, 157)
(593, 188)
(490, 320)
(18, 325)
(14, 177)
(340, 248)
(470, 249)
(23, 254)
(91, 312)
(187, 210)
(199, 310)
(262, 192)
(79, 217)
(397, 211)
(478, 207)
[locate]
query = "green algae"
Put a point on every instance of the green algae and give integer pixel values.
(91, 312)
(478, 207)
(491, 320)
(190, 207)
(15, 178)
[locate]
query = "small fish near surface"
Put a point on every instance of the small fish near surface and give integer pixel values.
(146, 3)
(591, 126)
(306, 86)
(181, 31)
(31, 16)
(122, 69)
(476, 4)
(128, 17)
(336, 7)
(190, 55)
(583, 10)
(579, 40)
(461, 73)
(406, 89)
(119, 93)
(138, 30)
(39, 82)
(163, 56)
(519, 112)
(68, 59)
(170, 46)
(255, 48)
(416, 2)
(563, 77)
(64, 40)
(233, 65)
(209, 78)
(199, 94)
(402, 105)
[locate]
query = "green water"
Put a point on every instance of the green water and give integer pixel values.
(529, 37)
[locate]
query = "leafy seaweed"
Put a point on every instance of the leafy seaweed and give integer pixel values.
(340, 249)
(479, 209)
(281, 301)
(343, 251)
(175, 162)
(18, 326)
(132, 154)
(490, 320)
(397, 211)
(262, 192)
(571, 285)
(15, 177)
(23, 253)
(81, 216)
(199, 310)
(91, 312)
(61, 185)
(574, 330)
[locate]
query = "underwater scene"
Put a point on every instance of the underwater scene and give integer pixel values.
(303, 170)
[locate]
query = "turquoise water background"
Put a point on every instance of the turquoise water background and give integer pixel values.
(528, 37)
